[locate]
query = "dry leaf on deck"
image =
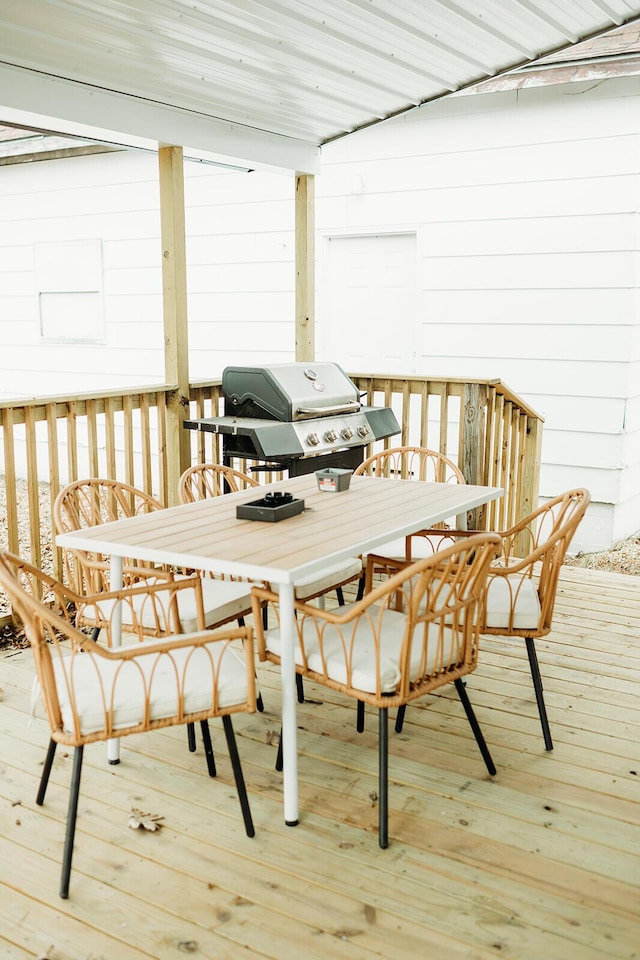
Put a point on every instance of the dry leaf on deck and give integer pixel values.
(148, 821)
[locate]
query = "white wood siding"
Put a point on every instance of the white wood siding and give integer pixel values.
(525, 207)
(241, 273)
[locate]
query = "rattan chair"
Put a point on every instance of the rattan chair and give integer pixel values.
(522, 589)
(206, 480)
(523, 580)
(96, 500)
(412, 463)
(386, 653)
(92, 692)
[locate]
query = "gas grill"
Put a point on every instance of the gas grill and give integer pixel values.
(298, 417)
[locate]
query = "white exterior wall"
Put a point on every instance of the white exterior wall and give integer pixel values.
(241, 274)
(524, 205)
(69, 200)
(524, 211)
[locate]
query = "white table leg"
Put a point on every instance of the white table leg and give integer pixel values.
(113, 746)
(289, 728)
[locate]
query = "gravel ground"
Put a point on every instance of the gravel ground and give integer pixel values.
(623, 557)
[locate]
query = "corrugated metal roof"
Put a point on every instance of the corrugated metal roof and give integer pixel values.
(277, 78)
(616, 54)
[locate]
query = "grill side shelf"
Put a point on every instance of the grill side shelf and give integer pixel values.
(271, 438)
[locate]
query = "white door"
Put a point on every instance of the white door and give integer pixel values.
(368, 318)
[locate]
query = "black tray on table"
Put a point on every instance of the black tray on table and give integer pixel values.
(271, 508)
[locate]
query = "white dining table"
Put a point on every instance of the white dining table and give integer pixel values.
(208, 536)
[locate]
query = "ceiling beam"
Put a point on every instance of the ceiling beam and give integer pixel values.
(64, 153)
(94, 113)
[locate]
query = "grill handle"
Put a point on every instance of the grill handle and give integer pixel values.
(267, 467)
(353, 406)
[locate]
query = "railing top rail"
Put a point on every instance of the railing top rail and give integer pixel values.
(91, 395)
(498, 385)
(80, 403)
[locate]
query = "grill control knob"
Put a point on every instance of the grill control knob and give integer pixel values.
(346, 433)
(363, 430)
(330, 436)
(313, 439)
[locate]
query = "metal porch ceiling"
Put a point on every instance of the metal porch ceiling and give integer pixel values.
(263, 81)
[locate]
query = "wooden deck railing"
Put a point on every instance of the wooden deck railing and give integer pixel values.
(493, 436)
(49, 442)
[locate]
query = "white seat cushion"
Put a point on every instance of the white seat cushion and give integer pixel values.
(339, 643)
(223, 600)
(326, 580)
(515, 593)
(101, 686)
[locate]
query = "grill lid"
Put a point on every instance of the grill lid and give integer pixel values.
(289, 391)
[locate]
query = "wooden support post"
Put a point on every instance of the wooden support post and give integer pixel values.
(471, 453)
(305, 267)
(174, 294)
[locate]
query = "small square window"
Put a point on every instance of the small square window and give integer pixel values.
(69, 287)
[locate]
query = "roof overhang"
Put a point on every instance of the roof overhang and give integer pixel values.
(120, 119)
(253, 83)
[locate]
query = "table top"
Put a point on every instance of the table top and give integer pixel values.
(206, 535)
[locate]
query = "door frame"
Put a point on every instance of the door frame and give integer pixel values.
(325, 236)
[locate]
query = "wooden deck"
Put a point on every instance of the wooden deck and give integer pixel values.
(540, 863)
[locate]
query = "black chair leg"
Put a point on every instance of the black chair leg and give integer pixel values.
(238, 776)
(299, 688)
(71, 822)
(400, 718)
(360, 716)
(208, 747)
(475, 726)
(191, 737)
(383, 779)
(361, 585)
(537, 686)
(340, 596)
(46, 771)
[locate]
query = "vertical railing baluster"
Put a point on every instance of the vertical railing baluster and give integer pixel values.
(10, 480)
(92, 438)
(161, 409)
(110, 439)
(33, 486)
(128, 440)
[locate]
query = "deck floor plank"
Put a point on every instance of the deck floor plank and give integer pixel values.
(541, 861)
